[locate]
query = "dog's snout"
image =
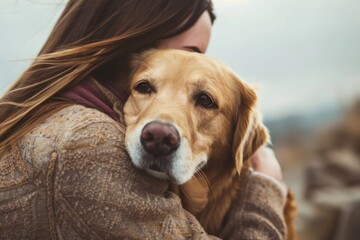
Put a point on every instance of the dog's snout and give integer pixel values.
(159, 139)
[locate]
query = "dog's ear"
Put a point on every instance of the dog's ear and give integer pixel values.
(257, 137)
(250, 134)
(137, 60)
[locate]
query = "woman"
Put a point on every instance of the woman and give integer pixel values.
(64, 171)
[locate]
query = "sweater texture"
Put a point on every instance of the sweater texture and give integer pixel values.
(71, 178)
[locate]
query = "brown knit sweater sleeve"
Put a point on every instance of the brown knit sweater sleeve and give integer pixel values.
(258, 211)
(71, 178)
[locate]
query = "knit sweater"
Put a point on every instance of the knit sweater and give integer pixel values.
(71, 178)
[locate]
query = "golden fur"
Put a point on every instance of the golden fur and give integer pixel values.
(228, 135)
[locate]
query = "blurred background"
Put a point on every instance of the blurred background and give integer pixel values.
(303, 56)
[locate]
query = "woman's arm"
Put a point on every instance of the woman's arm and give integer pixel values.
(99, 194)
(258, 211)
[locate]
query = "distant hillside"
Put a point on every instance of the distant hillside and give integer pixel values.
(302, 126)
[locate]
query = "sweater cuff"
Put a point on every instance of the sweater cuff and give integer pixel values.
(279, 189)
(257, 213)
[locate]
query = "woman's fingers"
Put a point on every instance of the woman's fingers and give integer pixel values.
(264, 161)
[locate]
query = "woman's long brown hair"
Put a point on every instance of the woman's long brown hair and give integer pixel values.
(87, 36)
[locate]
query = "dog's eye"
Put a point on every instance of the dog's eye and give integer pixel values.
(144, 87)
(204, 100)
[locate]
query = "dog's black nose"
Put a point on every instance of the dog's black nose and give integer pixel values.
(159, 139)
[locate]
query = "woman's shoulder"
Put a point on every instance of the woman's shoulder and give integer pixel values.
(69, 127)
(75, 118)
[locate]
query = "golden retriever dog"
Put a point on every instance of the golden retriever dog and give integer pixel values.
(193, 121)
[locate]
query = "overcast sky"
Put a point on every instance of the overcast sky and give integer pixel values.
(304, 55)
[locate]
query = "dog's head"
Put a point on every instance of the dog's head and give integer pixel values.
(185, 111)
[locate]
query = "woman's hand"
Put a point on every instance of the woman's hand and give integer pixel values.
(265, 162)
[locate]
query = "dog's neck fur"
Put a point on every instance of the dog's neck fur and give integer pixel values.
(224, 186)
(210, 198)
